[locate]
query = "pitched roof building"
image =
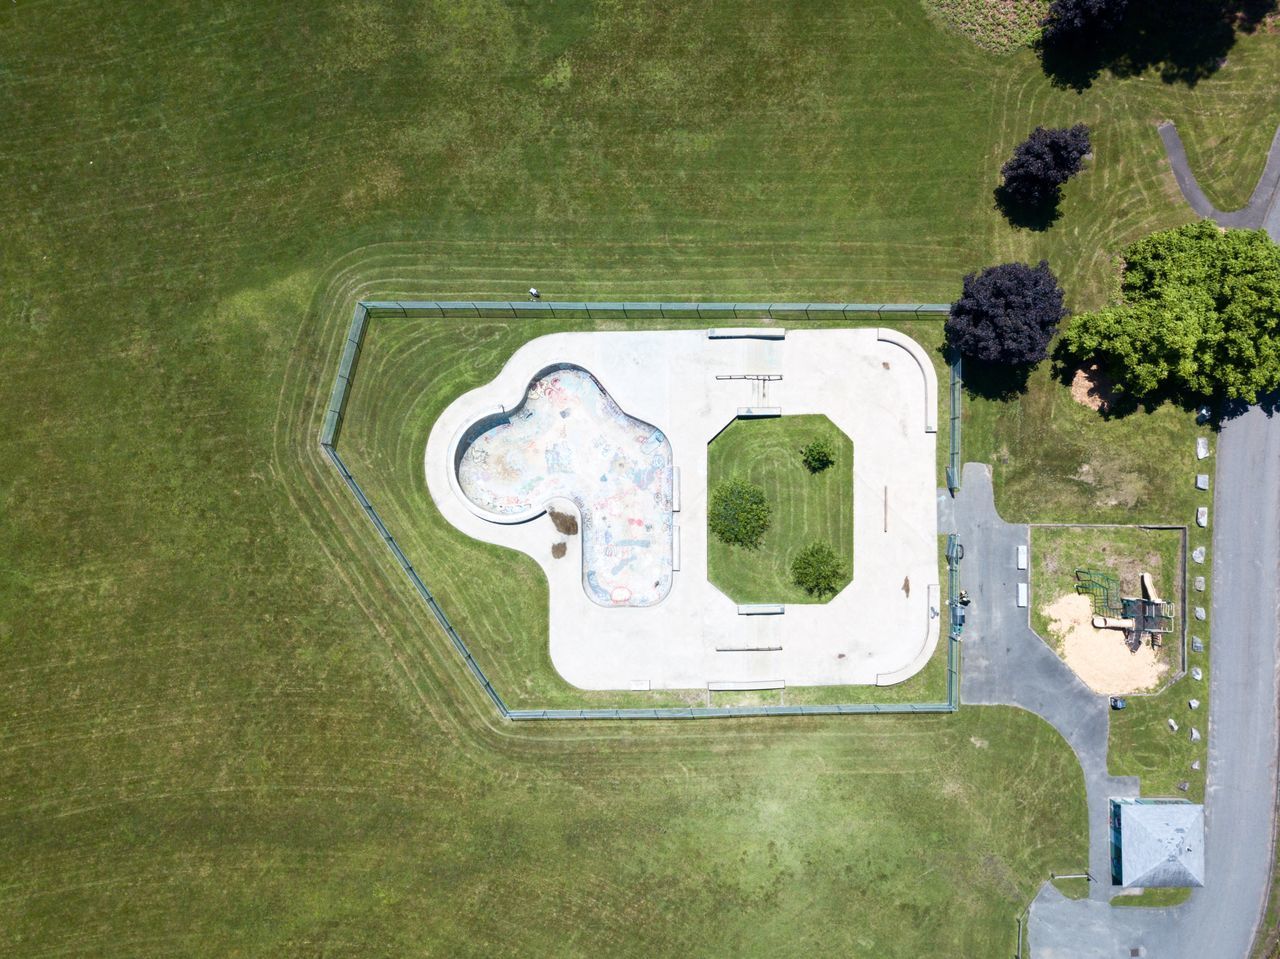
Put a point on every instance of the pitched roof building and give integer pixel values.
(1157, 843)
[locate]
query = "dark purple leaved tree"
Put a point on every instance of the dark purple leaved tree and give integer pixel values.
(1041, 164)
(1007, 314)
(1075, 19)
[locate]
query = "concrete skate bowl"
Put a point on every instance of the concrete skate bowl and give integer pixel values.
(569, 440)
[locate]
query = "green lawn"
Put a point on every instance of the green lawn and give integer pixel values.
(231, 728)
(806, 507)
(1154, 898)
(1057, 461)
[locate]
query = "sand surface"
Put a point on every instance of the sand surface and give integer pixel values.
(1100, 656)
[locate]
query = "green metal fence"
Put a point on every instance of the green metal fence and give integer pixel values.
(668, 311)
(366, 310)
(955, 553)
(953, 462)
(342, 382)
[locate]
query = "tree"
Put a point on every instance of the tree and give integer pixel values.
(1199, 317)
(738, 513)
(818, 570)
(1041, 163)
(1007, 314)
(818, 455)
(1073, 20)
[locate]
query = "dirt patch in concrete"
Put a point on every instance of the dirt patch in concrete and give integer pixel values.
(1100, 656)
(565, 523)
(558, 550)
(1092, 387)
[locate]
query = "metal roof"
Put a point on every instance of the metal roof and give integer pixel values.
(1161, 843)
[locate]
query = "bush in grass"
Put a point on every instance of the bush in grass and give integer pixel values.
(1199, 317)
(1007, 314)
(818, 570)
(738, 513)
(818, 455)
(1040, 164)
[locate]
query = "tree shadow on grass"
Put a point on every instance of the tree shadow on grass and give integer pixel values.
(995, 381)
(1037, 217)
(1110, 403)
(1185, 40)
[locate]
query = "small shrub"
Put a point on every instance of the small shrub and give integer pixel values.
(738, 513)
(818, 570)
(818, 455)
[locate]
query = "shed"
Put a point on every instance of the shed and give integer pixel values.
(1157, 843)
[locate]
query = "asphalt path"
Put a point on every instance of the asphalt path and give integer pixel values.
(1002, 665)
(1263, 209)
(1006, 662)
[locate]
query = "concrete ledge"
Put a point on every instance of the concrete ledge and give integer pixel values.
(746, 332)
(761, 609)
(926, 370)
(732, 686)
(930, 643)
(758, 412)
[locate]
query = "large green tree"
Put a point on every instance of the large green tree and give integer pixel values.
(1199, 316)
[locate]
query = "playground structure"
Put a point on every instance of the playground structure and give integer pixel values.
(1137, 617)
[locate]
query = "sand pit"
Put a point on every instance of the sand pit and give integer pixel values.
(1100, 656)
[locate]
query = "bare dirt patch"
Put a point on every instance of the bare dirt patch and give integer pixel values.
(1100, 656)
(1092, 387)
(565, 523)
(558, 550)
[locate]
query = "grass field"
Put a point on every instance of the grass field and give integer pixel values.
(230, 726)
(806, 507)
(1057, 461)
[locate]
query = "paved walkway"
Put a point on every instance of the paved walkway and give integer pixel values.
(1263, 208)
(1006, 662)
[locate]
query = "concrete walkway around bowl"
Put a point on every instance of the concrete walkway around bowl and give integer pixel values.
(877, 385)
